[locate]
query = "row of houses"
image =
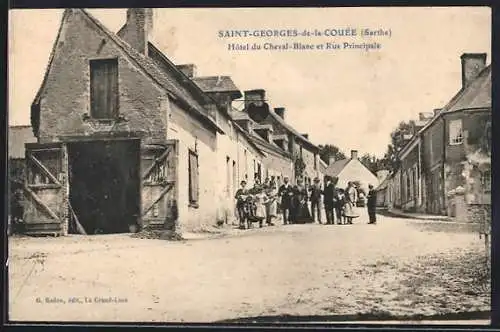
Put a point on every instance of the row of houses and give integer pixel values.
(122, 136)
(445, 165)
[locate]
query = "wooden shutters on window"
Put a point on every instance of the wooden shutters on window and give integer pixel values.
(193, 178)
(104, 89)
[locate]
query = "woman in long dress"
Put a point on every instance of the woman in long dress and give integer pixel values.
(260, 205)
(303, 213)
(351, 197)
(271, 203)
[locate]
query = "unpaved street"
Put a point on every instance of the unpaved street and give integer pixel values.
(398, 267)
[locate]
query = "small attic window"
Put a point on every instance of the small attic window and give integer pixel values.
(104, 89)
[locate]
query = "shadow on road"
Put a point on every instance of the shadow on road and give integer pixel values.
(477, 315)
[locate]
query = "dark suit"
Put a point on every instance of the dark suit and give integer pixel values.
(315, 199)
(328, 197)
(286, 193)
(372, 204)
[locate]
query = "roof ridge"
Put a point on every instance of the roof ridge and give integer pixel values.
(135, 56)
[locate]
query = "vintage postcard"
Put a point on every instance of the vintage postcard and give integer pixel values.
(238, 165)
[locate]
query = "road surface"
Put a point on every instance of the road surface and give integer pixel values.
(398, 267)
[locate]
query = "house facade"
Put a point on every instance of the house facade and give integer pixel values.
(109, 98)
(350, 170)
(239, 156)
(270, 127)
(435, 162)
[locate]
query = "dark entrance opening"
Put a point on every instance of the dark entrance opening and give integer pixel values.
(104, 184)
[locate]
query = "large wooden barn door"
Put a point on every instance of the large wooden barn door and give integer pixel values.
(46, 189)
(159, 185)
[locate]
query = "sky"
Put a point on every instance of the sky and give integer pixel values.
(350, 98)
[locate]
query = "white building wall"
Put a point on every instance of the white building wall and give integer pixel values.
(193, 136)
(356, 171)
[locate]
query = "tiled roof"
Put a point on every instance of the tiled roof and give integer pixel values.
(216, 84)
(239, 115)
(18, 135)
(171, 85)
(291, 129)
(271, 146)
(476, 95)
(337, 167)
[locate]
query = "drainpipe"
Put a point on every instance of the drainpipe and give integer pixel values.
(445, 144)
(419, 172)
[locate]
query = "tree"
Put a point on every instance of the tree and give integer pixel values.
(329, 150)
(370, 162)
(390, 160)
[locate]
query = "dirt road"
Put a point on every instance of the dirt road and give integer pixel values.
(398, 267)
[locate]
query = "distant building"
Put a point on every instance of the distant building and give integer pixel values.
(452, 150)
(351, 169)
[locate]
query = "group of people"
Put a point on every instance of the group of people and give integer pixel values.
(301, 203)
(257, 204)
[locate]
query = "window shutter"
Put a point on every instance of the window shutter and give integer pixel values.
(104, 88)
(193, 178)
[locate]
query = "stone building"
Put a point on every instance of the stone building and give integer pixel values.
(435, 163)
(125, 137)
(290, 153)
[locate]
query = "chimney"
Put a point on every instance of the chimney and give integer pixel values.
(306, 136)
(138, 28)
(256, 97)
(189, 70)
(331, 160)
(472, 64)
(354, 154)
(280, 111)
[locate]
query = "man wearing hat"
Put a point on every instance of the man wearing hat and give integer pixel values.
(240, 202)
(315, 200)
(328, 198)
(286, 193)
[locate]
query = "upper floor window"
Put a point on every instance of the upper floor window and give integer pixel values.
(486, 181)
(104, 88)
(456, 132)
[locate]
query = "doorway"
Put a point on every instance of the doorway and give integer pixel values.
(104, 184)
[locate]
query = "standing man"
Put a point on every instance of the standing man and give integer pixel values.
(286, 194)
(328, 196)
(315, 200)
(240, 202)
(371, 204)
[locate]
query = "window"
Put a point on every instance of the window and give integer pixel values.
(455, 131)
(194, 180)
(104, 89)
(486, 181)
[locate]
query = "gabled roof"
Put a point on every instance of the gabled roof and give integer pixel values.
(18, 136)
(337, 167)
(271, 146)
(239, 115)
(217, 84)
(174, 88)
(475, 96)
(292, 130)
(248, 137)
